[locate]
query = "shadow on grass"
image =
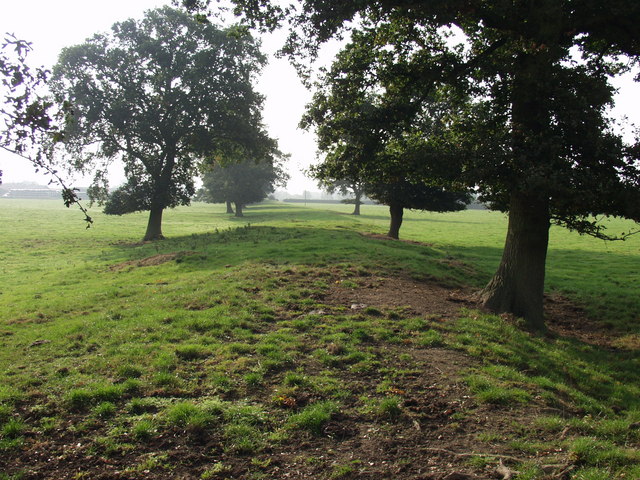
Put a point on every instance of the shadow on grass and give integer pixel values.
(368, 216)
(592, 379)
(454, 265)
(306, 245)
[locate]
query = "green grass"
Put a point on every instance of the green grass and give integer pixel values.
(228, 340)
(313, 417)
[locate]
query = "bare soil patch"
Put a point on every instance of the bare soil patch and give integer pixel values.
(567, 319)
(563, 317)
(421, 298)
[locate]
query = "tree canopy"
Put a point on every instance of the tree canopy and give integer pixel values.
(242, 183)
(540, 143)
(395, 154)
(160, 94)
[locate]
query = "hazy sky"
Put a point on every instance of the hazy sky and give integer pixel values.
(52, 25)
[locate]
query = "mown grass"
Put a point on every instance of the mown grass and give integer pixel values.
(230, 338)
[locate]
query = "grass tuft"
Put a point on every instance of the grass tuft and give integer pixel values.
(313, 417)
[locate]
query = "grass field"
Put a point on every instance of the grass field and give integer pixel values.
(243, 348)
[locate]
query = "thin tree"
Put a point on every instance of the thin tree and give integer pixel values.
(350, 187)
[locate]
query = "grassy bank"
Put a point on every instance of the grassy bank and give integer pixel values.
(289, 341)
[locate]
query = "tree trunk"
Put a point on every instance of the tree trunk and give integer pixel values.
(396, 212)
(154, 226)
(239, 210)
(229, 207)
(518, 285)
(357, 193)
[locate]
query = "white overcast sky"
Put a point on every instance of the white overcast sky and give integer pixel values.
(52, 25)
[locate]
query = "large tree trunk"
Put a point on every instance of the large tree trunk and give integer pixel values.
(229, 207)
(518, 285)
(239, 210)
(154, 226)
(396, 220)
(356, 210)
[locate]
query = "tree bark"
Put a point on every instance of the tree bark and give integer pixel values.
(518, 285)
(229, 207)
(396, 212)
(357, 193)
(239, 210)
(154, 226)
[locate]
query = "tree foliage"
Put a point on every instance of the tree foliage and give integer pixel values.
(350, 187)
(397, 154)
(160, 94)
(242, 183)
(539, 139)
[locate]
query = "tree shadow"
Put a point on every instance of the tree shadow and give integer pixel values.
(469, 266)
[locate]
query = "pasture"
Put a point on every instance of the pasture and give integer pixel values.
(297, 342)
